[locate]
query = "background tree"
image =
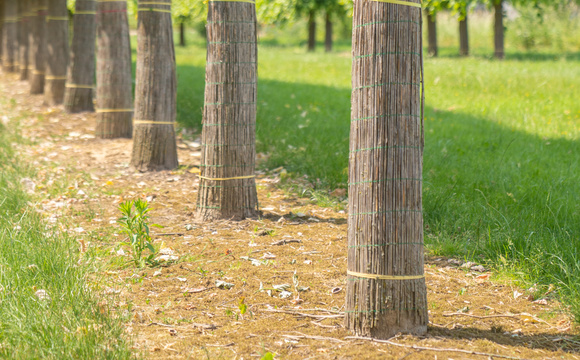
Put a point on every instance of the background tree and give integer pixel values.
(1, 29)
(154, 146)
(81, 73)
(227, 187)
(10, 36)
(386, 292)
(38, 47)
(23, 30)
(461, 8)
(498, 27)
(56, 51)
(114, 73)
(431, 8)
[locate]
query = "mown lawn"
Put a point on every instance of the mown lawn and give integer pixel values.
(501, 174)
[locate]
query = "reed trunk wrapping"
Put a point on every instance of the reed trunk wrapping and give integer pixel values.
(229, 119)
(23, 30)
(154, 146)
(385, 223)
(10, 37)
(38, 47)
(56, 51)
(114, 74)
(1, 30)
(78, 95)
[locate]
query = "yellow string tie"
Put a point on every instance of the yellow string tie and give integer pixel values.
(113, 110)
(246, 1)
(50, 77)
(86, 13)
(56, 18)
(35, 72)
(384, 277)
(224, 179)
(151, 122)
(156, 10)
(76, 86)
(400, 2)
(156, 3)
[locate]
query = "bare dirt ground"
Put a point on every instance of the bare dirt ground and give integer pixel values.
(288, 267)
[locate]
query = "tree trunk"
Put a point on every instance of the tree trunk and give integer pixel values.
(328, 35)
(227, 187)
(81, 73)
(463, 37)
(10, 39)
(432, 33)
(386, 292)
(38, 47)
(181, 34)
(498, 29)
(114, 73)
(1, 30)
(23, 29)
(311, 31)
(56, 51)
(154, 146)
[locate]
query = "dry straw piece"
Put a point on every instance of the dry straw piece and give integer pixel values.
(386, 292)
(227, 184)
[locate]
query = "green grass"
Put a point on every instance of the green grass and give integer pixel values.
(501, 171)
(34, 256)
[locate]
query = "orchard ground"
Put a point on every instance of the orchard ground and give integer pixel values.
(500, 183)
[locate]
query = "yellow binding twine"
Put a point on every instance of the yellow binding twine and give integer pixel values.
(224, 179)
(113, 110)
(400, 2)
(151, 122)
(246, 1)
(56, 18)
(76, 86)
(50, 77)
(384, 277)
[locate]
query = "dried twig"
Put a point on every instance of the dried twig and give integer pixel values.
(434, 349)
(304, 336)
(196, 325)
(284, 242)
(305, 315)
(482, 317)
(324, 326)
(218, 345)
(168, 234)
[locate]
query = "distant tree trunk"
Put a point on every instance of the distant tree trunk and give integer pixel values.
(498, 29)
(386, 292)
(23, 29)
(311, 31)
(10, 39)
(463, 37)
(81, 73)
(227, 187)
(154, 146)
(57, 51)
(328, 35)
(1, 30)
(181, 34)
(38, 47)
(114, 74)
(432, 33)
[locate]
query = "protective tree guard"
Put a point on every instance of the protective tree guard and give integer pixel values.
(38, 47)
(154, 146)
(23, 30)
(10, 37)
(386, 292)
(227, 186)
(56, 51)
(78, 95)
(114, 75)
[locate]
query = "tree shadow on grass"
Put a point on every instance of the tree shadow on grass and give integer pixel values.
(510, 55)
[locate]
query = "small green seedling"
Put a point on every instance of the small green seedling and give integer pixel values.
(135, 224)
